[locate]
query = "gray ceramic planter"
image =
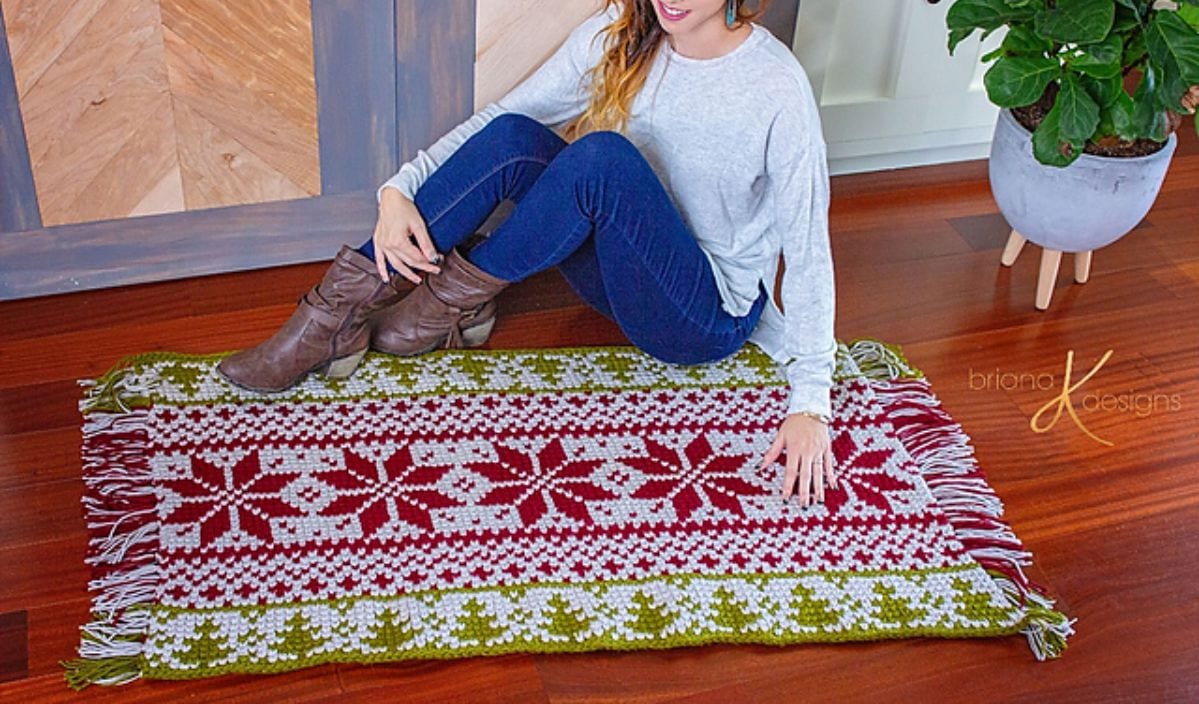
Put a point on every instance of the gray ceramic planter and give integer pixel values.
(1090, 203)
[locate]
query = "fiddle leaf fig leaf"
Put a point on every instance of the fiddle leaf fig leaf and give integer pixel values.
(1134, 49)
(1048, 145)
(1014, 81)
(1131, 5)
(1171, 87)
(1148, 116)
(1076, 21)
(1102, 59)
(1121, 112)
(1103, 90)
(965, 16)
(1125, 20)
(1190, 15)
(1020, 39)
(1172, 42)
(1079, 113)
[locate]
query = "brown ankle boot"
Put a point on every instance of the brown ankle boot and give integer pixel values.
(453, 308)
(328, 333)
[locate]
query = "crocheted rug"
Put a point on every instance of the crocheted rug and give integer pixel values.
(481, 502)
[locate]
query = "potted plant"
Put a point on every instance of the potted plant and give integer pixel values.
(1091, 93)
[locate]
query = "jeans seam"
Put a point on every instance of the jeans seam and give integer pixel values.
(478, 182)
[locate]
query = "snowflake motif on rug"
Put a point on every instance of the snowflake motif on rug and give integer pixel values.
(485, 502)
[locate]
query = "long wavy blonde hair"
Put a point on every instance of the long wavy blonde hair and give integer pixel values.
(630, 44)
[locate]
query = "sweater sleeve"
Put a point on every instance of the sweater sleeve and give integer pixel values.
(797, 168)
(554, 93)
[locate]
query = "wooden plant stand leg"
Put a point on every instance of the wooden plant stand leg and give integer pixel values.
(1050, 259)
(1082, 267)
(1011, 250)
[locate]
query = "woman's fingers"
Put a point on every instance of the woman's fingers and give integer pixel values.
(399, 265)
(791, 474)
(811, 466)
(425, 242)
(411, 224)
(403, 251)
(416, 258)
(413, 256)
(772, 454)
(380, 261)
(805, 479)
(401, 246)
(818, 479)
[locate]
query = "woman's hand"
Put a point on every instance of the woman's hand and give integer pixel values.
(402, 239)
(809, 456)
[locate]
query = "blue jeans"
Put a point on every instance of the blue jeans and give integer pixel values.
(595, 209)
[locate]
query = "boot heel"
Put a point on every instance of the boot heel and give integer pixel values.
(343, 367)
(473, 337)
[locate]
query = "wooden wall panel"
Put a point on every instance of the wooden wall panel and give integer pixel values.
(242, 79)
(18, 197)
(354, 48)
(506, 51)
(135, 107)
(435, 63)
(93, 255)
(410, 65)
(93, 90)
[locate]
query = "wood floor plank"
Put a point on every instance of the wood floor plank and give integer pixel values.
(311, 686)
(39, 406)
(40, 456)
(41, 513)
(14, 645)
(504, 678)
(82, 353)
(43, 573)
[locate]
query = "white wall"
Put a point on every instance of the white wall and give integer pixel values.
(890, 94)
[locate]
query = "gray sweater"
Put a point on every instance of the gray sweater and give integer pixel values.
(737, 142)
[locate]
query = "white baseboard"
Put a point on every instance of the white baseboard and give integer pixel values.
(904, 159)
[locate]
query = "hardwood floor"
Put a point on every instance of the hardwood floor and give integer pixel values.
(1112, 528)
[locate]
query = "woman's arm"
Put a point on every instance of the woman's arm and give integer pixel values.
(797, 165)
(797, 168)
(552, 94)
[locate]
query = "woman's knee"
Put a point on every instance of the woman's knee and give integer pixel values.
(601, 149)
(524, 132)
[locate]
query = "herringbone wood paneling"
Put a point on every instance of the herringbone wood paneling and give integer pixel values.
(243, 83)
(507, 51)
(134, 107)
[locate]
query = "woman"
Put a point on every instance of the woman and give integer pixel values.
(695, 157)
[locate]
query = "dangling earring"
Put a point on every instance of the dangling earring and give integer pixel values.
(730, 13)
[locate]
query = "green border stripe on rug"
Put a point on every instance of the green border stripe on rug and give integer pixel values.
(659, 612)
(139, 381)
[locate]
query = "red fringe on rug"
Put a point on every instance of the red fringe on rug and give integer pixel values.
(943, 452)
(120, 507)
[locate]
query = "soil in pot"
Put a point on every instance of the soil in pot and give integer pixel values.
(1031, 115)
